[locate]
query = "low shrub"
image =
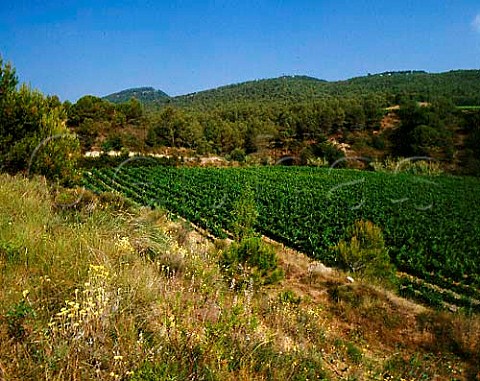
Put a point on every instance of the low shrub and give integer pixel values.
(364, 253)
(237, 154)
(251, 260)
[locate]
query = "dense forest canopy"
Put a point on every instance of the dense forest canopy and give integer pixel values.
(462, 87)
(143, 94)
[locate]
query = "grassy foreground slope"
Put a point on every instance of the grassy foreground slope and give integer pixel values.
(92, 288)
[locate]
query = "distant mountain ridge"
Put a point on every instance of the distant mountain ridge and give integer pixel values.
(461, 86)
(143, 94)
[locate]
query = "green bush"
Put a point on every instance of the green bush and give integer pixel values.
(364, 253)
(289, 297)
(329, 152)
(238, 154)
(112, 143)
(249, 260)
(354, 353)
(9, 252)
(405, 165)
(245, 215)
(17, 320)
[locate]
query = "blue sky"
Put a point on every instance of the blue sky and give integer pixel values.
(98, 47)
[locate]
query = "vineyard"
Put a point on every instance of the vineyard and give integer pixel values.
(430, 224)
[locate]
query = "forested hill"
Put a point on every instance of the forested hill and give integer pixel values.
(462, 87)
(143, 94)
(286, 88)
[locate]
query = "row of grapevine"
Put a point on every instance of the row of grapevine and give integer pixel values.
(431, 225)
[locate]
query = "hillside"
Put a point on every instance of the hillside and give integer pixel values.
(282, 89)
(461, 86)
(143, 94)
